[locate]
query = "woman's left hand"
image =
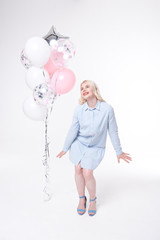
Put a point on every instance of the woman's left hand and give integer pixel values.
(125, 157)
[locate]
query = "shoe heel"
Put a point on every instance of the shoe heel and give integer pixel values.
(82, 210)
(93, 212)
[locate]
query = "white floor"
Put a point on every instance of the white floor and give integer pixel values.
(127, 204)
(117, 46)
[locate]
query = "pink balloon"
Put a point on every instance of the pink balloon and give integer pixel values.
(63, 81)
(50, 67)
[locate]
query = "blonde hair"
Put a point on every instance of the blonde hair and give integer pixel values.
(95, 91)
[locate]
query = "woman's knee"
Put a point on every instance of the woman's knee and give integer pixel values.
(87, 173)
(78, 169)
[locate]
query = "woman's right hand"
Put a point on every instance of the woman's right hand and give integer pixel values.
(61, 154)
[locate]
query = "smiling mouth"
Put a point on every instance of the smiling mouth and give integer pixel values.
(84, 94)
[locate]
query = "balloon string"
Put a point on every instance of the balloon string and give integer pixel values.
(46, 156)
(46, 160)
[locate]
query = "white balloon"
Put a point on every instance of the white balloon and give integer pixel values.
(35, 76)
(33, 110)
(37, 51)
(54, 44)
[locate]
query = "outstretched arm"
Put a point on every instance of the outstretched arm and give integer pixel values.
(113, 133)
(71, 135)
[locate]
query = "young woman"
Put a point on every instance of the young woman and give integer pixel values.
(86, 140)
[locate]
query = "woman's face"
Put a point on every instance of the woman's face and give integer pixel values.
(86, 91)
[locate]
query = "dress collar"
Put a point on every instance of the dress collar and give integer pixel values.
(86, 107)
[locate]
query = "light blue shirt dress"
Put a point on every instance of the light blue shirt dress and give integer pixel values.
(86, 138)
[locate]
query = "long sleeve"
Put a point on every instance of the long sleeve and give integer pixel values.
(72, 133)
(113, 132)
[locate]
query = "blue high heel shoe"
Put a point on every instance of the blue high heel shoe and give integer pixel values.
(92, 212)
(82, 211)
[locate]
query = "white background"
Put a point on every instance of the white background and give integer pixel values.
(117, 46)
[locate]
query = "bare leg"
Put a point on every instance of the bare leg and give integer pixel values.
(80, 184)
(91, 186)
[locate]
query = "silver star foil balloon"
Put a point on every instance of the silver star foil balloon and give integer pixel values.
(44, 95)
(53, 34)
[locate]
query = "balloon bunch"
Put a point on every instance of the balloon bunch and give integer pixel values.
(46, 59)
